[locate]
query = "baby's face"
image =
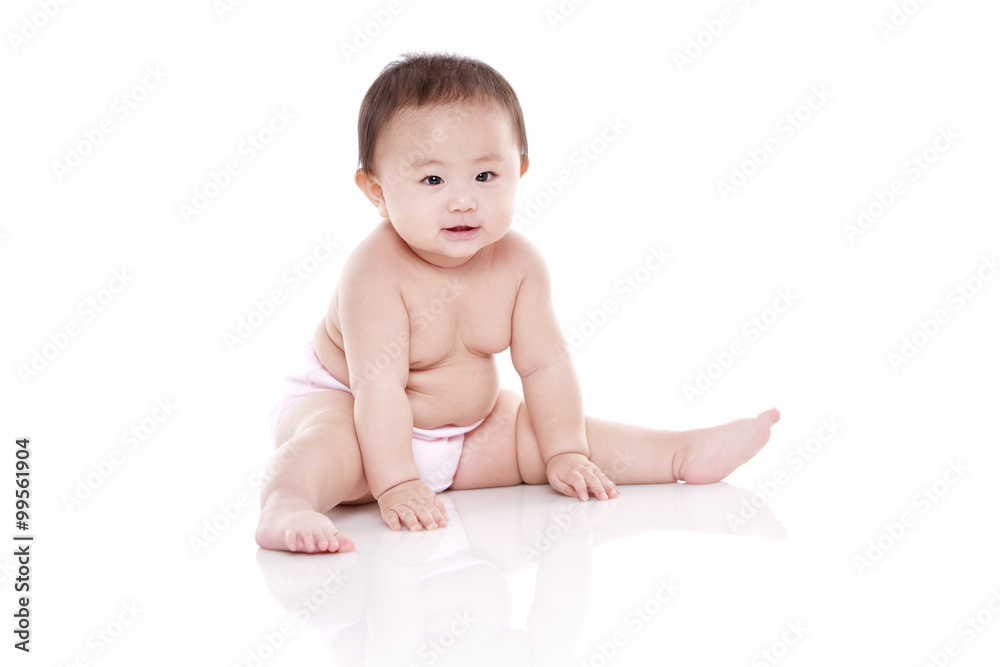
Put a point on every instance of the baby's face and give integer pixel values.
(447, 179)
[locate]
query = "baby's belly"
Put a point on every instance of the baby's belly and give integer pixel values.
(460, 392)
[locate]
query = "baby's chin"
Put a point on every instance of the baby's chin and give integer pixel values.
(447, 254)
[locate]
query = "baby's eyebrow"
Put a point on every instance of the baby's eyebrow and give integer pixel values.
(423, 163)
(489, 157)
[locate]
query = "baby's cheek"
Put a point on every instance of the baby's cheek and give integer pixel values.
(506, 212)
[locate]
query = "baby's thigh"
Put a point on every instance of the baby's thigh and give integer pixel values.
(327, 410)
(501, 451)
(319, 430)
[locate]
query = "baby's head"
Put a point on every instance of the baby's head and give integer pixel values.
(424, 80)
(442, 146)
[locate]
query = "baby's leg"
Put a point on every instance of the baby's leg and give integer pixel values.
(317, 467)
(503, 450)
(635, 455)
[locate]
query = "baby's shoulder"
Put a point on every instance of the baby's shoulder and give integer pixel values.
(516, 249)
(520, 255)
(376, 255)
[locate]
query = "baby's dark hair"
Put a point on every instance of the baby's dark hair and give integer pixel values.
(419, 79)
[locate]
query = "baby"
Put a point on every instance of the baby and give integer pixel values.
(399, 398)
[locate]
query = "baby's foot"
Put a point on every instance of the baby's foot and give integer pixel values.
(303, 530)
(710, 454)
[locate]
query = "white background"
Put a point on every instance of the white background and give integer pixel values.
(889, 92)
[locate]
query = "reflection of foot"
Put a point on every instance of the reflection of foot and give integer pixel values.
(718, 508)
(722, 508)
(325, 590)
(292, 527)
(290, 577)
(710, 454)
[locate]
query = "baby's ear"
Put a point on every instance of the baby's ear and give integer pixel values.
(372, 190)
(524, 167)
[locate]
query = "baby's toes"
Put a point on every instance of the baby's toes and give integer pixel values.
(342, 543)
(312, 532)
(330, 540)
(292, 540)
(768, 418)
(301, 541)
(315, 542)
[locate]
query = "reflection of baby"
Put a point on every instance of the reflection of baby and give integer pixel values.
(414, 587)
(399, 396)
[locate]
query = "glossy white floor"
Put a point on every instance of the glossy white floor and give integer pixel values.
(852, 540)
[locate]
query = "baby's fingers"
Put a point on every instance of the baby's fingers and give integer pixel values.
(400, 515)
(582, 482)
(414, 519)
(572, 483)
(391, 519)
(442, 512)
(590, 480)
(429, 517)
(561, 486)
(602, 487)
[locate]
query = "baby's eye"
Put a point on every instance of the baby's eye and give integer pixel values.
(432, 180)
(485, 176)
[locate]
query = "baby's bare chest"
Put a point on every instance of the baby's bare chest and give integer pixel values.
(455, 316)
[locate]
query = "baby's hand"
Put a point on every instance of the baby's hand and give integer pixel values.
(414, 505)
(575, 475)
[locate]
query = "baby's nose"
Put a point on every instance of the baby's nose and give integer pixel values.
(462, 204)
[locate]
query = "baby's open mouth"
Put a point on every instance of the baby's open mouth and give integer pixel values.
(460, 228)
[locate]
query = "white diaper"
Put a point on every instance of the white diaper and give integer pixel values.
(436, 451)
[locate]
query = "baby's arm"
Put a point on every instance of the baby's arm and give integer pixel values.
(374, 319)
(551, 390)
